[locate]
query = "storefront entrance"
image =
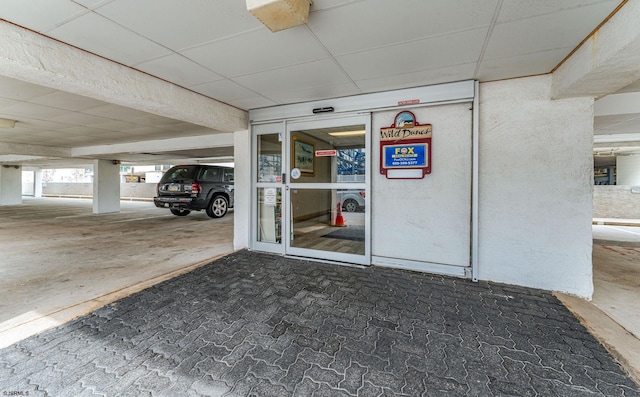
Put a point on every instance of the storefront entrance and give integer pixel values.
(312, 196)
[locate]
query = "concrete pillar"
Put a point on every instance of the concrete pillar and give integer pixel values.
(106, 187)
(242, 189)
(37, 183)
(10, 185)
(628, 170)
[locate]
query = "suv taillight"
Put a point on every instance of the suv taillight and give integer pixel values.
(362, 193)
(195, 188)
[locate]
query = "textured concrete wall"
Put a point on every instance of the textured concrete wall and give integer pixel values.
(615, 202)
(127, 190)
(536, 172)
(10, 185)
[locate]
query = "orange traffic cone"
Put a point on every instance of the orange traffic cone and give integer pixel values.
(339, 218)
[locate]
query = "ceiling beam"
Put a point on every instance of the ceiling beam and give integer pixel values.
(157, 146)
(20, 149)
(37, 59)
(605, 62)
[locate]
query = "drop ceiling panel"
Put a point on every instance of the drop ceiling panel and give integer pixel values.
(564, 29)
(21, 91)
(224, 90)
(40, 15)
(94, 33)
(81, 119)
(423, 77)
(317, 92)
(450, 50)
(516, 10)
(390, 22)
(179, 70)
(258, 51)
(181, 24)
(521, 65)
(312, 74)
(64, 100)
(19, 109)
(252, 103)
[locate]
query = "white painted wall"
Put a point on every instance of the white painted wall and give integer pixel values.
(10, 185)
(536, 171)
(426, 220)
(628, 170)
(242, 189)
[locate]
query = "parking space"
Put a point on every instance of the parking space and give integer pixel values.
(60, 260)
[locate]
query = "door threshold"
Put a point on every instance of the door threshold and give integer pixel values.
(329, 261)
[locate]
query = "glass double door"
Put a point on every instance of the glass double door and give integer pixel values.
(311, 191)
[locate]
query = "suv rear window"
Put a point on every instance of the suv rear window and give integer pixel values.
(180, 172)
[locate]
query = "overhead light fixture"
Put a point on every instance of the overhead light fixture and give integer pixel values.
(6, 123)
(348, 133)
(279, 15)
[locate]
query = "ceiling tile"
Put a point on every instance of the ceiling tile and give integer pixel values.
(179, 70)
(390, 22)
(64, 100)
(434, 53)
(515, 10)
(31, 110)
(224, 90)
(252, 103)
(314, 93)
(258, 51)
(76, 118)
(521, 65)
(420, 78)
(94, 33)
(40, 15)
(312, 74)
(545, 32)
(181, 24)
(21, 91)
(92, 3)
(113, 125)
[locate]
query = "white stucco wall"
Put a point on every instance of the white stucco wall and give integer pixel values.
(242, 189)
(106, 187)
(426, 221)
(536, 170)
(10, 185)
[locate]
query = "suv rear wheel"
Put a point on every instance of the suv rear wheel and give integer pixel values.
(218, 207)
(180, 212)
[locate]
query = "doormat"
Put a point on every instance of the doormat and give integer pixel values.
(353, 233)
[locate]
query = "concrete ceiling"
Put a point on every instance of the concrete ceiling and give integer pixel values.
(217, 49)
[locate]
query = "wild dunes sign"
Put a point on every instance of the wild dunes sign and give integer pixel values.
(405, 148)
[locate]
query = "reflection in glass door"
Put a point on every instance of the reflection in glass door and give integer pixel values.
(327, 190)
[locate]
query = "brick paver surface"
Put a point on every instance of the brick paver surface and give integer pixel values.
(256, 324)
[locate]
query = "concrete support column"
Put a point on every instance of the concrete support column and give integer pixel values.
(10, 185)
(106, 187)
(37, 183)
(628, 170)
(242, 189)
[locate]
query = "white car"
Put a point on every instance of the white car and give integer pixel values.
(352, 200)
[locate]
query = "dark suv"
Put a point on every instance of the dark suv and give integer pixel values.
(186, 188)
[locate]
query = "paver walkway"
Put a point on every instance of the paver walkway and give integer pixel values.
(257, 324)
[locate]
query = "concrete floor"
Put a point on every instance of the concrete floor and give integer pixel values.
(59, 260)
(613, 315)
